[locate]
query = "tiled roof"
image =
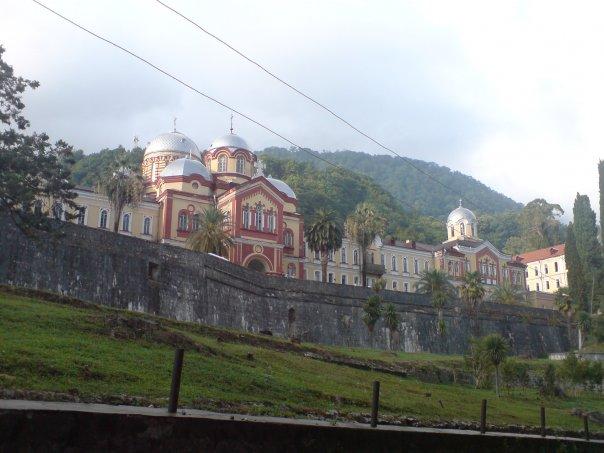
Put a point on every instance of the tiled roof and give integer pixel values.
(542, 254)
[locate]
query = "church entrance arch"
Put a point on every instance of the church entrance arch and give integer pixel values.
(256, 265)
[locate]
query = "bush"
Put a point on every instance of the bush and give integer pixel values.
(514, 374)
(595, 375)
(548, 386)
(373, 311)
(478, 364)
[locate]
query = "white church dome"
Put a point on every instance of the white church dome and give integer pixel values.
(282, 187)
(460, 214)
(229, 141)
(172, 142)
(186, 167)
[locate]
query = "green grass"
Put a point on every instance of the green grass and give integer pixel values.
(51, 347)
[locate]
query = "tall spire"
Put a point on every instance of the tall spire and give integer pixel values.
(174, 124)
(460, 202)
(231, 123)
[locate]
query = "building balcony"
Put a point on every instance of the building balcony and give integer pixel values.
(375, 269)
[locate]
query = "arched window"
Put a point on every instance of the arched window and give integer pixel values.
(271, 221)
(288, 238)
(343, 255)
(196, 222)
(222, 163)
(147, 226)
(183, 221)
(240, 164)
(260, 217)
(462, 229)
(394, 263)
(246, 217)
(103, 218)
(415, 266)
(355, 257)
(126, 222)
(452, 231)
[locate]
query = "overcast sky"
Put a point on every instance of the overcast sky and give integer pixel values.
(508, 92)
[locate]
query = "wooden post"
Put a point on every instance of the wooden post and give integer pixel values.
(176, 373)
(543, 421)
(586, 425)
(483, 417)
(375, 403)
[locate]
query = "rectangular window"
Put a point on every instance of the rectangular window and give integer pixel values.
(82, 216)
(426, 266)
(394, 263)
(537, 287)
(536, 272)
(547, 284)
(330, 256)
(317, 276)
(246, 218)
(343, 279)
(415, 266)
(369, 282)
(356, 281)
(383, 259)
(330, 277)
(317, 256)
(406, 287)
(405, 266)
(343, 255)
(394, 285)
(555, 266)
(557, 283)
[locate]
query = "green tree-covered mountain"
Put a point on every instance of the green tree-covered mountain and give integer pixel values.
(410, 186)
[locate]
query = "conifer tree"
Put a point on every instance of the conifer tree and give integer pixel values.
(587, 245)
(576, 280)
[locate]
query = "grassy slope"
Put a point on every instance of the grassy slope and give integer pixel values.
(47, 346)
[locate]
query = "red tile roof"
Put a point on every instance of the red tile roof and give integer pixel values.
(542, 254)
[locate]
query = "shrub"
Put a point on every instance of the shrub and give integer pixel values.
(478, 364)
(373, 311)
(548, 386)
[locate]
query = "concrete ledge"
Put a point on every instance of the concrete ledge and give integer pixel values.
(50, 426)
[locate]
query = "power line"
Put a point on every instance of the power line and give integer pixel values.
(317, 103)
(232, 109)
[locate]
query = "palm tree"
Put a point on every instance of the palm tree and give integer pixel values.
(507, 294)
(363, 225)
(324, 235)
(495, 351)
(123, 186)
(372, 312)
(391, 320)
(212, 235)
(436, 283)
(565, 304)
(472, 292)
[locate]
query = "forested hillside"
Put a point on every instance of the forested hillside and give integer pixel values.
(408, 184)
(507, 225)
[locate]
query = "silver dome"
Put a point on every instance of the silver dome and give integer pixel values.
(229, 141)
(282, 187)
(174, 142)
(460, 214)
(186, 167)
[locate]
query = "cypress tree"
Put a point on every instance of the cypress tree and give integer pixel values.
(586, 239)
(576, 282)
(601, 180)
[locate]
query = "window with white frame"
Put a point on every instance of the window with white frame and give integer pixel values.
(393, 263)
(343, 255)
(383, 259)
(546, 269)
(415, 266)
(260, 217)
(195, 222)
(426, 266)
(246, 217)
(271, 222)
(126, 222)
(82, 215)
(355, 257)
(147, 226)
(317, 276)
(406, 287)
(405, 265)
(547, 284)
(240, 164)
(183, 221)
(103, 218)
(394, 285)
(330, 277)
(330, 256)
(222, 163)
(343, 279)
(288, 238)
(555, 266)
(356, 280)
